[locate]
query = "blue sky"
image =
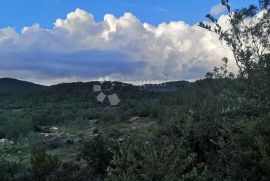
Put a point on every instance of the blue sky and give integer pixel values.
(53, 41)
(20, 13)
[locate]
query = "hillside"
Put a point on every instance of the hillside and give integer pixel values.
(14, 85)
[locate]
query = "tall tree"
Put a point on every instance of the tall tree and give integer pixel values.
(247, 35)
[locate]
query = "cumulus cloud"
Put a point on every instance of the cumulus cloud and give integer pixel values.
(80, 48)
(218, 10)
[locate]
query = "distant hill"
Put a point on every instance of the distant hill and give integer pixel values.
(72, 90)
(14, 85)
(83, 91)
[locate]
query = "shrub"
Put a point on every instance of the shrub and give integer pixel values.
(142, 160)
(8, 169)
(43, 164)
(97, 153)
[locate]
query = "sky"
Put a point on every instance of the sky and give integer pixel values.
(52, 41)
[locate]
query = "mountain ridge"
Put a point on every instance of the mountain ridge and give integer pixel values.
(16, 85)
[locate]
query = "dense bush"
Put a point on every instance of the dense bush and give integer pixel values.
(98, 152)
(141, 160)
(43, 164)
(8, 169)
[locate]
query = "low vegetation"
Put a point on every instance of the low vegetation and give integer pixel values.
(213, 129)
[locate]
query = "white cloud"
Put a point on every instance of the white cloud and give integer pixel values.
(217, 10)
(79, 48)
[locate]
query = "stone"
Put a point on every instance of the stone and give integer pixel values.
(120, 140)
(134, 118)
(4, 141)
(94, 121)
(95, 130)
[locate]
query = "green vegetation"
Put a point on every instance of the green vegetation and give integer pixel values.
(213, 129)
(43, 164)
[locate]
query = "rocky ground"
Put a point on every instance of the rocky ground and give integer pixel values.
(65, 142)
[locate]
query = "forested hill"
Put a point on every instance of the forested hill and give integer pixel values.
(75, 89)
(20, 93)
(14, 85)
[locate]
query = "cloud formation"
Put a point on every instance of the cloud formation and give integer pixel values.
(218, 10)
(79, 48)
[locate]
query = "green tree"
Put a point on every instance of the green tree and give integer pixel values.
(247, 35)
